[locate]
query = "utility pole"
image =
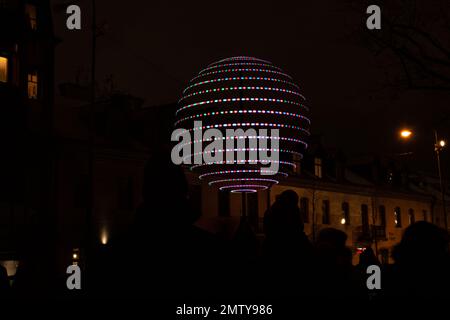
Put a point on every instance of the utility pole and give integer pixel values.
(91, 142)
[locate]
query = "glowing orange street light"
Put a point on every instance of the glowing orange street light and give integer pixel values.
(405, 133)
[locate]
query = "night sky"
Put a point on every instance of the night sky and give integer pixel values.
(153, 48)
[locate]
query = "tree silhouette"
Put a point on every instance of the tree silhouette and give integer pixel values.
(413, 45)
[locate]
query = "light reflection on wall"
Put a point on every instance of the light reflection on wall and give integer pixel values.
(104, 236)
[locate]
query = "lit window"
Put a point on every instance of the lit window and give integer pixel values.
(33, 85)
(397, 218)
(3, 69)
(318, 167)
(345, 214)
(390, 177)
(30, 11)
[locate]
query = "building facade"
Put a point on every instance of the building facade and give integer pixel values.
(26, 98)
(373, 212)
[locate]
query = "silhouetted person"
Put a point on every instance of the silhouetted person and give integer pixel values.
(283, 226)
(245, 243)
(335, 274)
(422, 264)
(287, 251)
(367, 258)
(4, 282)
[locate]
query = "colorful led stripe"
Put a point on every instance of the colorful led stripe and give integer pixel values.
(240, 79)
(240, 64)
(271, 172)
(241, 58)
(226, 112)
(244, 191)
(241, 100)
(238, 186)
(241, 88)
(181, 145)
(250, 124)
(201, 75)
(243, 179)
(243, 150)
(229, 162)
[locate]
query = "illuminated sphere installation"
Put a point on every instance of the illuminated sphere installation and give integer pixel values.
(245, 93)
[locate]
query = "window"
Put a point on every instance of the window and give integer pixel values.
(397, 218)
(326, 212)
(425, 215)
(33, 85)
(411, 216)
(304, 209)
(296, 159)
(30, 12)
(125, 193)
(318, 167)
(3, 69)
(345, 214)
(390, 177)
(365, 218)
(224, 203)
(382, 213)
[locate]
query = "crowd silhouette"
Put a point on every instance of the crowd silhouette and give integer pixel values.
(166, 256)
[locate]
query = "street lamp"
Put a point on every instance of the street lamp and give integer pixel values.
(439, 144)
(405, 133)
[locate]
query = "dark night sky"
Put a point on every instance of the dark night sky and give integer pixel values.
(153, 48)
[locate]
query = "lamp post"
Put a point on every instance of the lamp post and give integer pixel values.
(439, 144)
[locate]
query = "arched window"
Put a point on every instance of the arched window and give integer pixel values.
(3, 69)
(345, 213)
(397, 217)
(318, 167)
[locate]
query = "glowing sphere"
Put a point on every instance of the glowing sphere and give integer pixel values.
(245, 93)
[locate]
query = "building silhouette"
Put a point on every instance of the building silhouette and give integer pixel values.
(26, 97)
